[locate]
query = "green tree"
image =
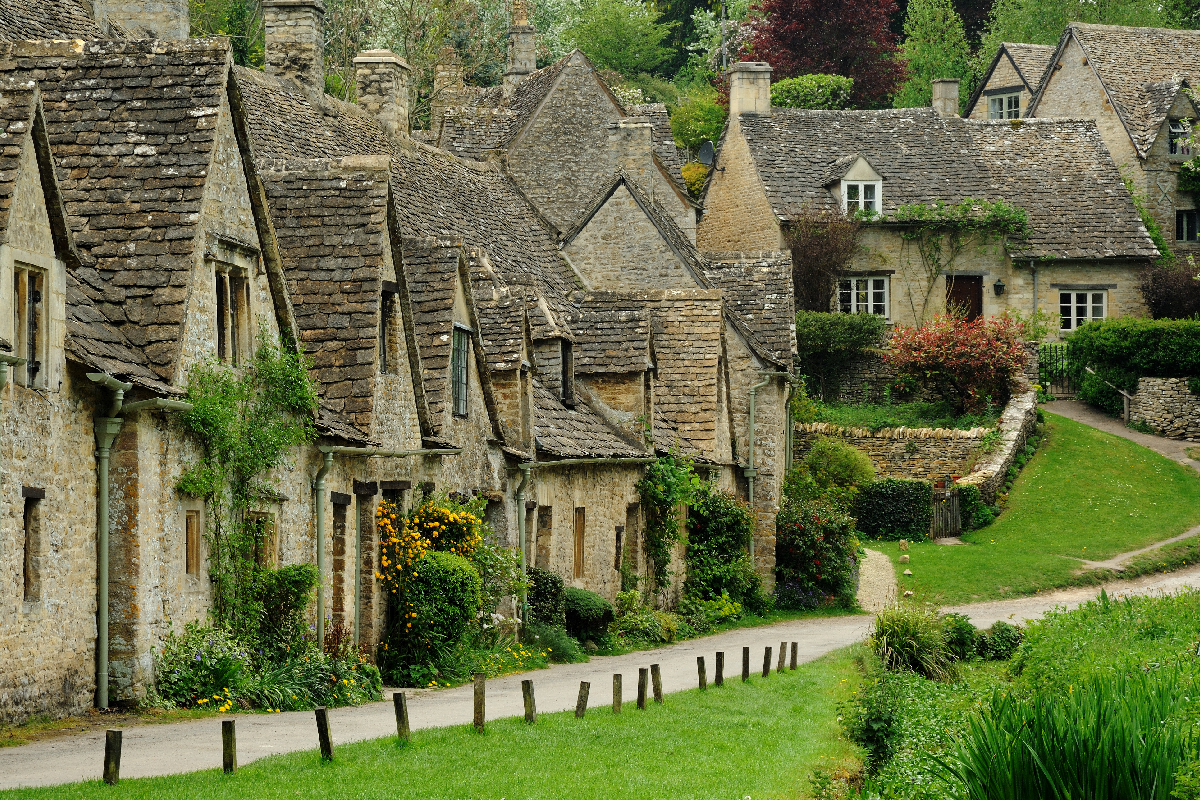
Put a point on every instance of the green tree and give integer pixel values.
(697, 118)
(240, 20)
(935, 46)
(830, 92)
(621, 35)
(1043, 21)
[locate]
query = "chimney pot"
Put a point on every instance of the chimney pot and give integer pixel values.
(945, 96)
(295, 41)
(381, 80)
(749, 88)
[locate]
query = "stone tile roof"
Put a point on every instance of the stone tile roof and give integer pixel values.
(1031, 61)
(664, 140)
(330, 220)
(758, 288)
(1141, 70)
(431, 270)
(577, 432)
(612, 333)
(924, 157)
(132, 126)
(502, 325)
(686, 326)
(46, 19)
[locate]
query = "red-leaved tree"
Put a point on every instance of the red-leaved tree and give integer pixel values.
(843, 37)
(970, 363)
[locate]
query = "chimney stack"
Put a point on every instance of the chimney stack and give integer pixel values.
(749, 88)
(381, 78)
(522, 46)
(945, 96)
(144, 19)
(295, 41)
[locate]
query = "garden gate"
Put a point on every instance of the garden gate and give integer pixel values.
(1054, 369)
(946, 519)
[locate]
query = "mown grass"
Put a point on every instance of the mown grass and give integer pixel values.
(761, 740)
(877, 416)
(1084, 495)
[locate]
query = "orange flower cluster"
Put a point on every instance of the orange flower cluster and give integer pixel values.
(451, 531)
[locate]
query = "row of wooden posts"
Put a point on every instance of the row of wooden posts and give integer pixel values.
(112, 739)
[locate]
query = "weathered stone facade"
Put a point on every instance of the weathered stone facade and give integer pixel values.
(1167, 406)
(1016, 69)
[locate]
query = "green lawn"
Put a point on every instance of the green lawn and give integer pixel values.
(1085, 494)
(760, 740)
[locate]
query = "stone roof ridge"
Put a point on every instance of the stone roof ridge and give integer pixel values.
(841, 165)
(349, 163)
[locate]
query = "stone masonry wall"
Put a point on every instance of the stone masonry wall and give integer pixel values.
(1003, 77)
(926, 454)
(737, 214)
(1167, 406)
(1016, 424)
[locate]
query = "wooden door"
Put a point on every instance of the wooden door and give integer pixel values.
(964, 293)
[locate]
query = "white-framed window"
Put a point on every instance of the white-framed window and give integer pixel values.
(863, 296)
(862, 196)
(1004, 106)
(1178, 134)
(1076, 308)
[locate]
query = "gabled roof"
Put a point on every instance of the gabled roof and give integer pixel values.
(612, 333)
(46, 19)
(926, 158)
(840, 166)
(1029, 60)
(1140, 69)
(758, 288)
(577, 432)
(664, 140)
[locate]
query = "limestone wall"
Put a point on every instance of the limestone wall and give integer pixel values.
(928, 454)
(1016, 424)
(1167, 406)
(737, 214)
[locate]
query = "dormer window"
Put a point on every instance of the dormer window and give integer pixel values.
(29, 324)
(1179, 134)
(1005, 106)
(862, 196)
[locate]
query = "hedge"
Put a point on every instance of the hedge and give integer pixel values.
(588, 614)
(816, 555)
(1123, 349)
(718, 548)
(547, 601)
(827, 343)
(816, 91)
(895, 509)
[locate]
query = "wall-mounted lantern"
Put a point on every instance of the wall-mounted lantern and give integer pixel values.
(999, 286)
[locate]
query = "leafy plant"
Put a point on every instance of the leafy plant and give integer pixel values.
(283, 595)
(697, 118)
(999, 642)
(621, 36)
(670, 483)
(559, 646)
(960, 636)
(911, 637)
(588, 614)
(872, 718)
(833, 463)
(814, 91)
(635, 622)
(816, 556)
(201, 665)
(718, 551)
(1165, 255)
(1032, 327)
(694, 175)
(547, 600)
(894, 508)
(827, 343)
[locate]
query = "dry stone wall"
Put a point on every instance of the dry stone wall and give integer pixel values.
(929, 454)
(1167, 406)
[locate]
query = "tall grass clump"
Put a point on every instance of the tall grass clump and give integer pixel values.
(911, 637)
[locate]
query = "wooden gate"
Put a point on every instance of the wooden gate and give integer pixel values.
(946, 519)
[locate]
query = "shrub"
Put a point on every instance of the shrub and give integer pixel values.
(823, 242)
(827, 343)
(1172, 291)
(283, 595)
(1193, 385)
(314, 680)
(637, 622)
(201, 662)
(547, 601)
(971, 508)
(999, 642)
(588, 614)
(960, 636)
(499, 575)
(816, 556)
(560, 647)
(895, 509)
(815, 91)
(872, 719)
(1123, 349)
(694, 176)
(833, 463)
(697, 118)
(718, 547)
(908, 637)
(971, 363)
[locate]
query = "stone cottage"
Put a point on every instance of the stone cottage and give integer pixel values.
(1135, 84)
(1083, 250)
(1010, 82)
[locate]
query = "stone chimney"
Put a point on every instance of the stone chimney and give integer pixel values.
(144, 19)
(945, 96)
(295, 41)
(381, 78)
(447, 89)
(749, 88)
(522, 46)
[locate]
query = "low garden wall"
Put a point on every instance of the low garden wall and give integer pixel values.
(1167, 406)
(1017, 422)
(929, 454)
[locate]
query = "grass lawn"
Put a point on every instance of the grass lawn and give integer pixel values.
(1084, 495)
(760, 740)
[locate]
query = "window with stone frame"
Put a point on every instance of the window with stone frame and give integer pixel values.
(31, 568)
(261, 525)
(459, 363)
(29, 325)
(865, 295)
(567, 387)
(866, 196)
(1179, 135)
(577, 567)
(1187, 225)
(233, 314)
(191, 542)
(1078, 307)
(1004, 106)
(389, 329)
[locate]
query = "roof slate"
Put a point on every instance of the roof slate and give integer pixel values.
(46, 19)
(612, 333)
(431, 269)
(758, 288)
(577, 432)
(1030, 60)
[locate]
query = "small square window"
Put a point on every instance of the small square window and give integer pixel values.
(863, 296)
(1179, 134)
(458, 371)
(862, 196)
(1077, 308)
(1186, 226)
(1005, 106)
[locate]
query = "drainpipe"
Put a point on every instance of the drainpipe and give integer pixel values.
(787, 454)
(107, 429)
(319, 490)
(750, 471)
(519, 501)
(1033, 269)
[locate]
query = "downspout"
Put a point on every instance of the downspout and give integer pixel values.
(107, 429)
(357, 563)
(788, 433)
(519, 500)
(1033, 269)
(319, 490)
(749, 470)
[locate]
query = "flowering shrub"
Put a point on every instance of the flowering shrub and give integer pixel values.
(816, 556)
(718, 548)
(202, 665)
(636, 622)
(970, 363)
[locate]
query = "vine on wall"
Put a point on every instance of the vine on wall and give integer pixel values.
(670, 484)
(245, 420)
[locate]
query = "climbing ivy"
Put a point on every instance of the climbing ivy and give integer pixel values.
(670, 483)
(245, 420)
(941, 232)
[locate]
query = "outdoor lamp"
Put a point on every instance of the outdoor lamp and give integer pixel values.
(999, 286)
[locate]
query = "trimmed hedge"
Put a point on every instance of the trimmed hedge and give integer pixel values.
(815, 91)
(1123, 349)
(547, 600)
(816, 556)
(895, 509)
(588, 614)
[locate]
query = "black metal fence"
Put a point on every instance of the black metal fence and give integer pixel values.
(1054, 369)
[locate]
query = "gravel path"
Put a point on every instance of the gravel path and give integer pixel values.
(876, 582)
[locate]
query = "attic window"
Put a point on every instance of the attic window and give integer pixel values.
(1005, 106)
(389, 330)
(568, 373)
(862, 196)
(1178, 135)
(29, 324)
(233, 316)
(458, 371)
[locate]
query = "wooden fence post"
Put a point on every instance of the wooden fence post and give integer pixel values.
(581, 703)
(530, 705)
(617, 693)
(795, 646)
(228, 746)
(700, 670)
(767, 662)
(323, 734)
(643, 674)
(112, 757)
(480, 683)
(745, 664)
(656, 682)
(401, 705)
(782, 657)
(719, 678)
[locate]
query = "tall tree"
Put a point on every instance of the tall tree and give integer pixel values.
(621, 35)
(843, 37)
(935, 46)
(1043, 21)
